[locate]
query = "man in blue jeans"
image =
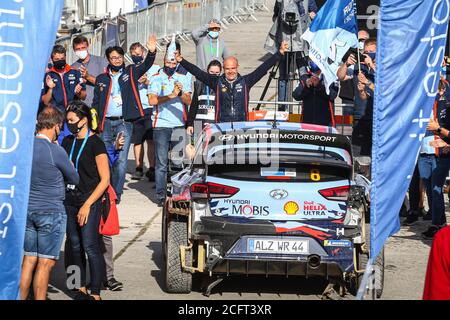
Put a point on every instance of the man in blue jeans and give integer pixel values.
(118, 104)
(46, 218)
(170, 93)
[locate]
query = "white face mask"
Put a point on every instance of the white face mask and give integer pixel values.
(81, 54)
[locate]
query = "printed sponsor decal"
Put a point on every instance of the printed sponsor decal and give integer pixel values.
(226, 137)
(337, 243)
(249, 210)
(291, 208)
(282, 136)
(282, 172)
(279, 194)
(311, 208)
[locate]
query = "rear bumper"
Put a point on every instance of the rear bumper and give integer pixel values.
(277, 268)
(228, 252)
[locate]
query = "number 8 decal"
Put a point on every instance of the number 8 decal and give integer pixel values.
(315, 175)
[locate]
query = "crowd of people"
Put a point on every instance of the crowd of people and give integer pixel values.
(93, 110)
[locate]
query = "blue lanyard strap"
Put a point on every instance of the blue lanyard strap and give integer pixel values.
(81, 148)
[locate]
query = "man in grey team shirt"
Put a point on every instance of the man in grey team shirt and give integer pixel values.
(90, 67)
(209, 44)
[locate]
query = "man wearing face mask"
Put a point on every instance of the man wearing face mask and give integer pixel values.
(118, 104)
(62, 84)
(170, 93)
(142, 128)
(89, 65)
(46, 218)
(318, 106)
(209, 45)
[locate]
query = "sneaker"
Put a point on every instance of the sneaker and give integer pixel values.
(429, 234)
(411, 219)
(150, 174)
(114, 285)
(138, 174)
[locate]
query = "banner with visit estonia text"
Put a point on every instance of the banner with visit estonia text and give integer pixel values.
(27, 34)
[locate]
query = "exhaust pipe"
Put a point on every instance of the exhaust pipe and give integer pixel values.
(313, 261)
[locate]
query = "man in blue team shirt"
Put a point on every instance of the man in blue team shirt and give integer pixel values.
(170, 93)
(142, 128)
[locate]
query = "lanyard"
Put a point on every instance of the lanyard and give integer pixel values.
(81, 148)
(211, 46)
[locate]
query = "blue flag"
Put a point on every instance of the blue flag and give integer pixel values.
(411, 45)
(140, 4)
(27, 33)
(332, 32)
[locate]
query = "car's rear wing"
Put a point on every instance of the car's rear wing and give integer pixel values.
(281, 136)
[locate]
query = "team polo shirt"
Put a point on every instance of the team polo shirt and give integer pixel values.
(143, 88)
(64, 91)
(172, 113)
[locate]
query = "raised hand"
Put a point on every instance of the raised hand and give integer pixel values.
(49, 82)
(151, 43)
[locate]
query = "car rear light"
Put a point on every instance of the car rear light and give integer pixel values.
(336, 194)
(212, 190)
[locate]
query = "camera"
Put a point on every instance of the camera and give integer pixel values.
(290, 17)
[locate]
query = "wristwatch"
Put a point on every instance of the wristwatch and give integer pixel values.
(439, 130)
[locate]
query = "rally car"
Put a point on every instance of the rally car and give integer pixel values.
(268, 199)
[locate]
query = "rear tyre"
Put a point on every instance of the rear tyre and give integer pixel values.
(362, 260)
(165, 216)
(177, 280)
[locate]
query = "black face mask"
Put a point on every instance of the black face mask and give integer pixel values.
(60, 64)
(116, 68)
(169, 71)
(73, 127)
(137, 59)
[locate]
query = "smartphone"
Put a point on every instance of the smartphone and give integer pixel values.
(120, 135)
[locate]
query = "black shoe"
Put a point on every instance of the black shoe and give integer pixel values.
(138, 174)
(411, 219)
(429, 234)
(150, 174)
(114, 285)
(80, 295)
(427, 216)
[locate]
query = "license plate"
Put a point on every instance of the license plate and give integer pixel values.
(278, 246)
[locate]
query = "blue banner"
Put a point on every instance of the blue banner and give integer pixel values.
(332, 32)
(27, 33)
(411, 44)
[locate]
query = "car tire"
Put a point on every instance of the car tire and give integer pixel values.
(164, 218)
(363, 259)
(176, 279)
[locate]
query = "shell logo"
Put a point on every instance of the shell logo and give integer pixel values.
(291, 208)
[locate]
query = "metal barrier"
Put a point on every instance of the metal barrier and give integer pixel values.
(177, 17)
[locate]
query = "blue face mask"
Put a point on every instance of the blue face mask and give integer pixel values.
(213, 34)
(372, 55)
(444, 70)
(137, 59)
(169, 71)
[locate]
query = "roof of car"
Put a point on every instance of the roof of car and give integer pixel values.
(288, 126)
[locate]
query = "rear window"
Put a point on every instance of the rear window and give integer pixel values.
(287, 173)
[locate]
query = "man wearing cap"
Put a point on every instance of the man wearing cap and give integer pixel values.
(209, 44)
